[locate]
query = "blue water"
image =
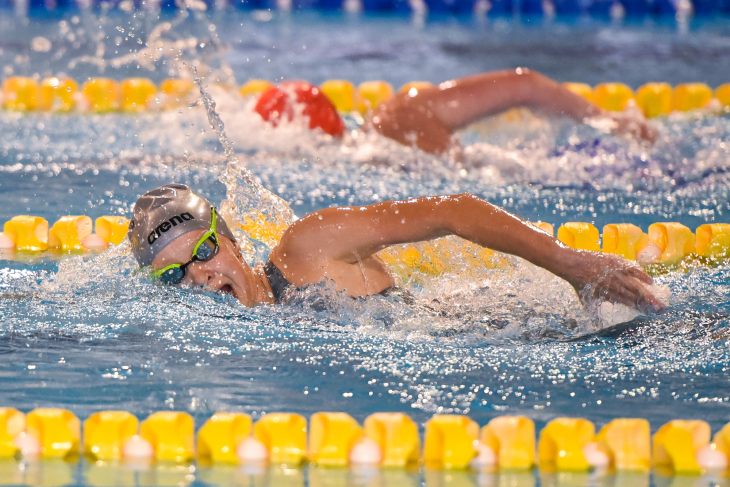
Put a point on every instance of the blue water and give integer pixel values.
(89, 333)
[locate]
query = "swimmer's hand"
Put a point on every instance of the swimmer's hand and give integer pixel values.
(635, 125)
(599, 276)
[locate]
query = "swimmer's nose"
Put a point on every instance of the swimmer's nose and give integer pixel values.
(202, 275)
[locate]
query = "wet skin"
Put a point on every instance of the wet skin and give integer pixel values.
(227, 272)
(340, 245)
(430, 116)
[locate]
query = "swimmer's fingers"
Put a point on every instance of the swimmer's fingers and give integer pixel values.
(634, 293)
(639, 274)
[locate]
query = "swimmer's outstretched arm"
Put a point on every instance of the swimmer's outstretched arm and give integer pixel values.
(432, 115)
(341, 243)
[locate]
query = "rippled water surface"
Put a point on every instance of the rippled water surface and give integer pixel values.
(91, 333)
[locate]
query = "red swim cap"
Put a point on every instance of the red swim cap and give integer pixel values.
(276, 103)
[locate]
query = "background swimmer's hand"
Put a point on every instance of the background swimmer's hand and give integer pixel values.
(635, 125)
(609, 277)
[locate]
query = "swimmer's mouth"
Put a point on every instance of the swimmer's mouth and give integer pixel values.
(228, 289)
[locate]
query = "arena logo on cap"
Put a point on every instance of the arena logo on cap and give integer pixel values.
(166, 225)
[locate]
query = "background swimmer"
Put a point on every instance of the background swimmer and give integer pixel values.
(429, 117)
(179, 234)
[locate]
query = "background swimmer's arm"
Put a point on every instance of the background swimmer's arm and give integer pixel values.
(433, 114)
(347, 236)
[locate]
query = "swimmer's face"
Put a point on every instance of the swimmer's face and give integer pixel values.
(226, 273)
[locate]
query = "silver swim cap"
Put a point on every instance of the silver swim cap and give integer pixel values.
(165, 213)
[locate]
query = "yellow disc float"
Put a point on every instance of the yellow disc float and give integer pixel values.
(285, 436)
(137, 94)
(177, 92)
(341, 93)
(655, 99)
(370, 94)
(627, 443)
(106, 432)
(613, 96)
(581, 236)
(113, 229)
(331, 437)
(561, 443)
(254, 87)
(171, 434)
(397, 436)
(221, 434)
(722, 93)
(713, 239)
(513, 439)
(449, 442)
(676, 444)
(21, 94)
(68, 232)
(691, 96)
(12, 423)
(58, 432)
(582, 89)
(102, 94)
(29, 233)
(624, 239)
(58, 94)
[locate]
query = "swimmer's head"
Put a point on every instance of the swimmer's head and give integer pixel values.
(166, 213)
(277, 102)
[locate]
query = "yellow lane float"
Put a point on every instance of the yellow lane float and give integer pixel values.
(655, 99)
(691, 96)
(612, 96)
(512, 438)
(102, 94)
(722, 93)
(58, 94)
(397, 436)
(581, 89)
(562, 445)
(254, 87)
(285, 437)
(12, 423)
(177, 92)
(171, 434)
(370, 94)
(69, 232)
(449, 442)
(29, 233)
(668, 244)
(677, 443)
(582, 236)
(21, 94)
(57, 433)
(220, 436)
(331, 437)
(341, 93)
(624, 239)
(713, 239)
(137, 94)
(106, 432)
(113, 229)
(627, 443)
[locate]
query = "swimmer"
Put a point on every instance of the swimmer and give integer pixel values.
(180, 235)
(429, 117)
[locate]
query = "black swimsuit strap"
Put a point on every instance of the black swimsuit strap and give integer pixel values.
(277, 281)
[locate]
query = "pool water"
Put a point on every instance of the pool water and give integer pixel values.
(90, 333)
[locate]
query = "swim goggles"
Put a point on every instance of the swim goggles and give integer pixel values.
(206, 248)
